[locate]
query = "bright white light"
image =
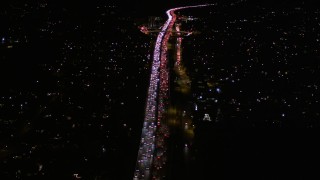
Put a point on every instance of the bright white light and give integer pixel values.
(206, 117)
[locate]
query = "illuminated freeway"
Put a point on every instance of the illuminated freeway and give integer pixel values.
(153, 132)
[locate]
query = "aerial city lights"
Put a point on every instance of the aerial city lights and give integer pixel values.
(156, 99)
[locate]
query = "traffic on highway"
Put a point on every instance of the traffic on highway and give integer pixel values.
(156, 103)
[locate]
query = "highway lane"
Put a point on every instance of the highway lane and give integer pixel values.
(156, 98)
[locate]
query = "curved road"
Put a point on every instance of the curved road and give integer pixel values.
(156, 98)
